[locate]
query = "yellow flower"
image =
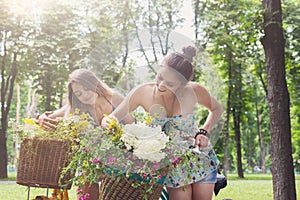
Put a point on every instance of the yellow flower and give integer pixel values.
(148, 119)
(116, 129)
(84, 164)
(74, 134)
(29, 121)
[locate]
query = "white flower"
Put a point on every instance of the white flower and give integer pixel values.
(147, 142)
(155, 156)
(142, 131)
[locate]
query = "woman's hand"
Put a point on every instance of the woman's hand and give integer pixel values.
(107, 120)
(201, 141)
(46, 121)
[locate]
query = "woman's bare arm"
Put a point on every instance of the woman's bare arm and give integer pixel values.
(208, 101)
(117, 100)
(48, 120)
(130, 103)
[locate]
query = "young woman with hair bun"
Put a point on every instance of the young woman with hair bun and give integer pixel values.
(171, 100)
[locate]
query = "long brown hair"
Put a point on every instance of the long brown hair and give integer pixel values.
(89, 80)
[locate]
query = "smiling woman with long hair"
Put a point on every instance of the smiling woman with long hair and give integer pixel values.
(87, 94)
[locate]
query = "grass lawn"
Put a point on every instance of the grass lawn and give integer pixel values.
(253, 187)
(19, 192)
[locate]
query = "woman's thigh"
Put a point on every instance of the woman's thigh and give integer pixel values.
(180, 193)
(202, 191)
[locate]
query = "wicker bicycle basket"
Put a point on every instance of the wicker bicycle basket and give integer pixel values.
(114, 188)
(41, 162)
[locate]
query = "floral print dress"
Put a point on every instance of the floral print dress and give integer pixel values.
(189, 167)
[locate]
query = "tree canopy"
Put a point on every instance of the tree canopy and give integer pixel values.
(42, 42)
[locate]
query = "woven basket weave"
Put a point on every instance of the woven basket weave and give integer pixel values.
(41, 162)
(114, 188)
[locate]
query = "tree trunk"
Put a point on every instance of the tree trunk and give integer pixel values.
(261, 135)
(237, 132)
(278, 100)
(48, 89)
(3, 147)
(34, 104)
(198, 13)
(7, 87)
(237, 110)
(16, 137)
(229, 71)
(226, 133)
(196, 17)
(27, 113)
(3, 154)
(151, 22)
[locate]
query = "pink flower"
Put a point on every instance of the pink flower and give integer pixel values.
(87, 195)
(112, 160)
(174, 164)
(176, 161)
(79, 190)
(159, 176)
(96, 160)
(155, 167)
(144, 175)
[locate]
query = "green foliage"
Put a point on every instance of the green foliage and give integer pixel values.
(292, 35)
(231, 34)
(52, 38)
(56, 51)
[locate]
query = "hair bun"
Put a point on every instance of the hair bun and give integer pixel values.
(189, 52)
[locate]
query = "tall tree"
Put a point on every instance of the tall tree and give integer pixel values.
(8, 76)
(56, 47)
(279, 102)
(223, 32)
(13, 33)
(291, 20)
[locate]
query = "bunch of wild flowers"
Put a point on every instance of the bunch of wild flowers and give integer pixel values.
(68, 128)
(134, 151)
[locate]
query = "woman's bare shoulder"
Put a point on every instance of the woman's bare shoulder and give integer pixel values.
(116, 98)
(117, 94)
(196, 86)
(144, 88)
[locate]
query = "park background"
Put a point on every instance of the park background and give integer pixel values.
(122, 41)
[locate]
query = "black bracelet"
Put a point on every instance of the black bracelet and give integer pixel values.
(201, 131)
